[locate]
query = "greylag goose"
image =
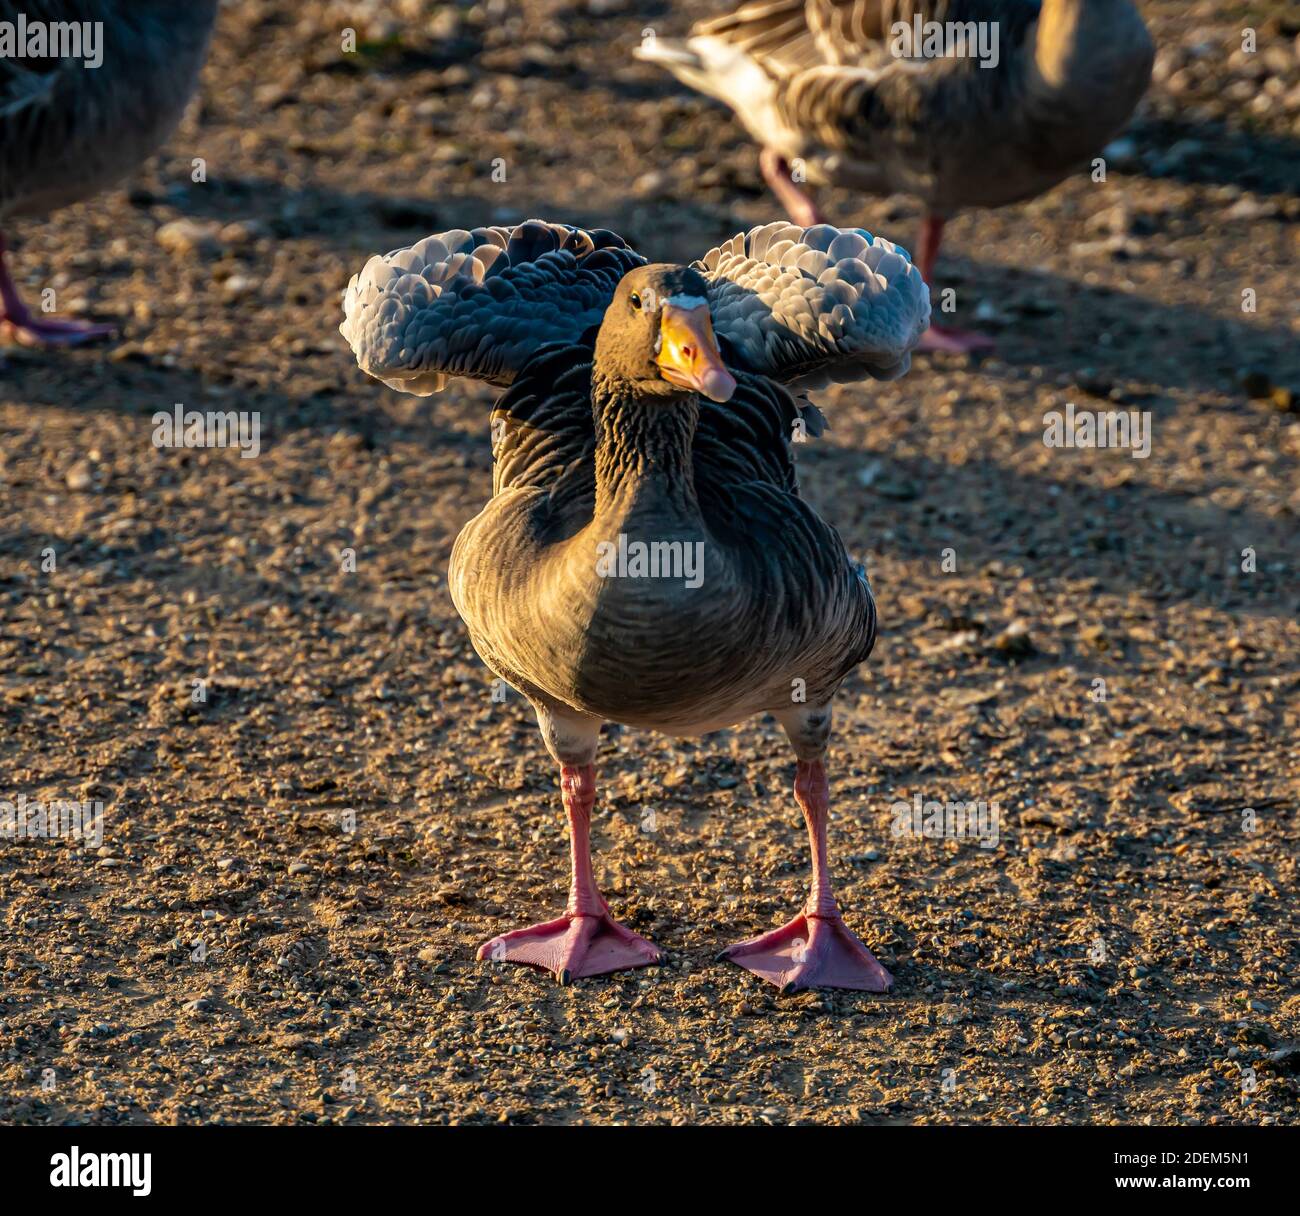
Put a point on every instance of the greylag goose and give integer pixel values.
(646, 557)
(88, 89)
(845, 91)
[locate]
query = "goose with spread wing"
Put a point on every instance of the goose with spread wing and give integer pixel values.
(646, 558)
(960, 103)
(90, 89)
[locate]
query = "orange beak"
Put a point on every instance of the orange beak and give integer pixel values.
(688, 352)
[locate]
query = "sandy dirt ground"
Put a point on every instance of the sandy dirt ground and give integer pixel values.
(280, 923)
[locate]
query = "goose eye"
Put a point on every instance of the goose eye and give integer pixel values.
(635, 299)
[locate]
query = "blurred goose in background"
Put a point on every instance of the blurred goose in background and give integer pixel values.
(835, 89)
(69, 129)
(646, 557)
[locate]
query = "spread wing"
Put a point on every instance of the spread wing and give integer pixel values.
(802, 306)
(808, 306)
(480, 303)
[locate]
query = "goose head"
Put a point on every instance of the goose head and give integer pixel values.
(657, 337)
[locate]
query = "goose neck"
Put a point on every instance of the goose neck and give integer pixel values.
(1074, 37)
(643, 448)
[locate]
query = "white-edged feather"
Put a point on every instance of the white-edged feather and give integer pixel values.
(812, 306)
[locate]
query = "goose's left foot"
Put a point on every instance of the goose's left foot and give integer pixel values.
(953, 341)
(816, 949)
(811, 952)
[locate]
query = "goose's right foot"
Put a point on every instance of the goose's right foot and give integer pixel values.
(34, 331)
(573, 947)
(586, 940)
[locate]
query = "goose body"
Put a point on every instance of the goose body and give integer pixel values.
(840, 89)
(705, 549)
(645, 557)
(69, 130)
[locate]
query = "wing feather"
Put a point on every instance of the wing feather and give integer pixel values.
(808, 306)
(479, 303)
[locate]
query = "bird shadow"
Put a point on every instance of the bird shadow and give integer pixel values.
(1105, 336)
(142, 383)
(351, 219)
(360, 221)
(1086, 534)
(1215, 153)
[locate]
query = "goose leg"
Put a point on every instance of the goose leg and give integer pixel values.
(939, 337)
(816, 949)
(586, 940)
(19, 323)
(798, 203)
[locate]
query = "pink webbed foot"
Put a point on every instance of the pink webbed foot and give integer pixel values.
(811, 952)
(573, 947)
(30, 330)
(953, 341)
(586, 940)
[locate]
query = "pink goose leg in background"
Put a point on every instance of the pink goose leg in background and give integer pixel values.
(937, 337)
(798, 203)
(20, 324)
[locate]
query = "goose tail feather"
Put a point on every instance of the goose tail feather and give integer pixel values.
(714, 67)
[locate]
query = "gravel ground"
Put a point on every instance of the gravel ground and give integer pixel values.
(295, 871)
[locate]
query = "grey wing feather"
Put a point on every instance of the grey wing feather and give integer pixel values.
(811, 306)
(481, 303)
